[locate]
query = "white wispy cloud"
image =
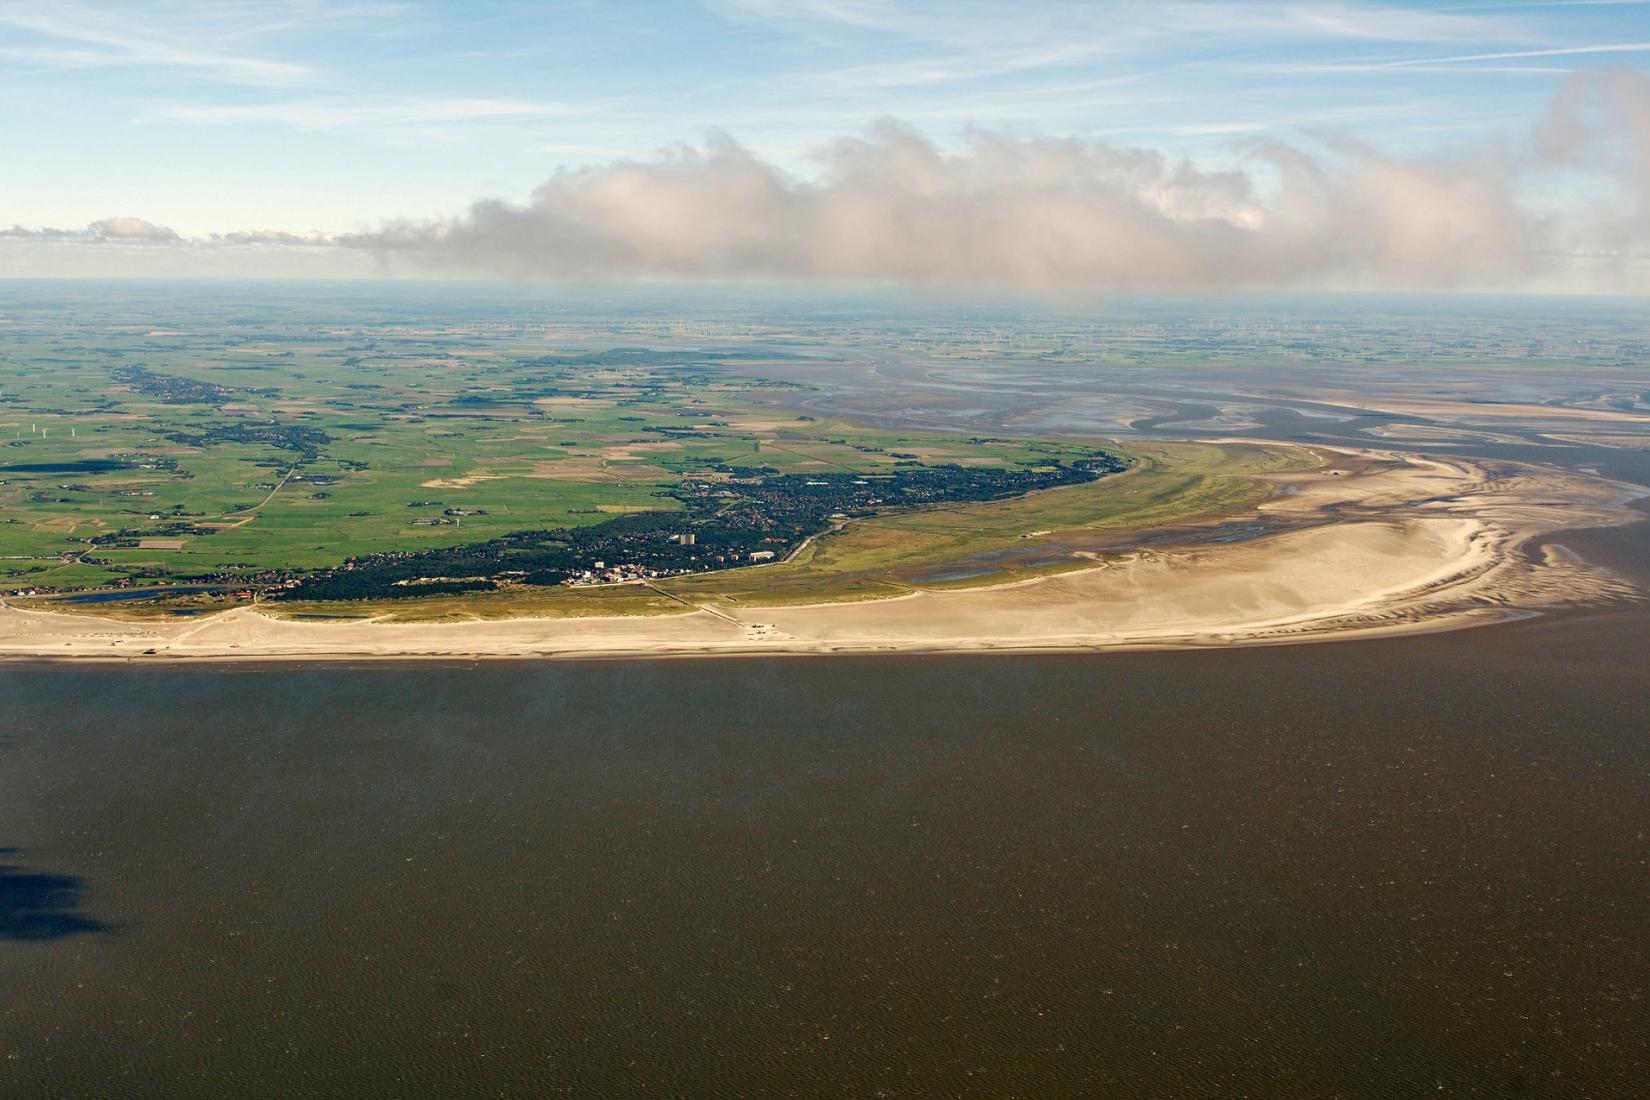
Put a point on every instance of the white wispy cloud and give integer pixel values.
(981, 64)
(339, 114)
(1342, 22)
(864, 14)
(988, 24)
(56, 57)
(984, 57)
(1512, 55)
(114, 38)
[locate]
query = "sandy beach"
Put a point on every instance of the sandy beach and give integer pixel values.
(1402, 544)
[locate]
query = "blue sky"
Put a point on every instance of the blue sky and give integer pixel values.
(218, 117)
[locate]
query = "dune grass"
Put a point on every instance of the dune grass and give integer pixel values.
(1170, 484)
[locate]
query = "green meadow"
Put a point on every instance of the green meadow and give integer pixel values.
(154, 455)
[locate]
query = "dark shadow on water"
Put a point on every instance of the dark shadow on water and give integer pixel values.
(39, 906)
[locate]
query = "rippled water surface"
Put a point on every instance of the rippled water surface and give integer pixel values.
(1404, 868)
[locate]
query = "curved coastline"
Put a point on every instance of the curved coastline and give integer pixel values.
(1412, 544)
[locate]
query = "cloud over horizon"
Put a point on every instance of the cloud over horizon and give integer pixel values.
(1008, 211)
(104, 229)
(1047, 213)
(1002, 211)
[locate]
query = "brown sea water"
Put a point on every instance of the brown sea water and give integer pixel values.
(1417, 867)
(1403, 868)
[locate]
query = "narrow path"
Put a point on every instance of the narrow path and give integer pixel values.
(810, 540)
(696, 606)
(806, 455)
(203, 623)
(248, 513)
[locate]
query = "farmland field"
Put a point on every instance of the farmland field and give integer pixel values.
(187, 445)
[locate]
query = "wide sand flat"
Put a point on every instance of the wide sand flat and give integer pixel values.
(1406, 544)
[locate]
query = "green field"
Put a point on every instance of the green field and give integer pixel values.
(226, 450)
(104, 482)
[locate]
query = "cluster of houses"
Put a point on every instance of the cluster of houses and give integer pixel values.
(602, 573)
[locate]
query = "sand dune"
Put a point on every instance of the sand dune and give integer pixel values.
(1403, 544)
